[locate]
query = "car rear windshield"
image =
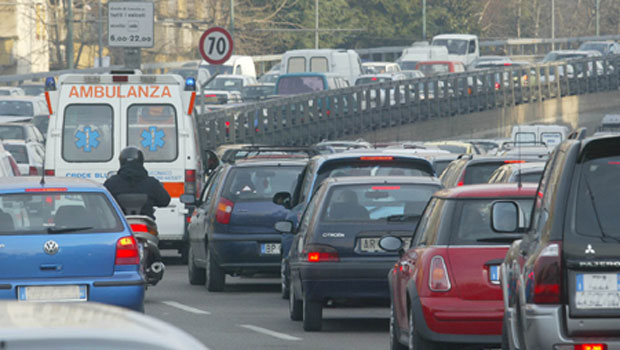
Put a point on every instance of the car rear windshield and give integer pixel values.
(372, 202)
(57, 212)
(299, 85)
(436, 68)
(153, 129)
(472, 221)
(596, 208)
(360, 167)
(441, 165)
(16, 108)
(480, 173)
(12, 132)
(260, 183)
(408, 65)
(19, 152)
(530, 177)
(226, 84)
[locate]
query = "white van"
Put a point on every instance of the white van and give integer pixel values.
(95, 116)
(345, 63)
(421, 52)
(550, 135)
(461, 47)
(236, 64)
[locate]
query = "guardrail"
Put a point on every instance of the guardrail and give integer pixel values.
(344, 113)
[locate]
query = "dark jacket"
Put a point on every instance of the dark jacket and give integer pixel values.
(133, 178)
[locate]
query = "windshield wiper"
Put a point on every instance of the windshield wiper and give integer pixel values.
(67, 229)
(393, 218)
(499, 239)
(598, 219)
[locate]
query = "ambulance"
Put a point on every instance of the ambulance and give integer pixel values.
(93, 117)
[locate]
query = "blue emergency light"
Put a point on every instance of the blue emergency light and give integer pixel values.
(50, 84)
(190, 84)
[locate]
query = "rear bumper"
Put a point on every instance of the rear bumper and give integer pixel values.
(241, 253)
(122, 289)
(466, 317)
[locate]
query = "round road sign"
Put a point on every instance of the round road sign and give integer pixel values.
(216, 45)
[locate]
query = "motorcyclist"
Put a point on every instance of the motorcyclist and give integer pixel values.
(132, 177)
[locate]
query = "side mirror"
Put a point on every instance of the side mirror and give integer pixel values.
(505, 217)
(391, 244)
(210, 161)
(284, 226)
(187, 198)
(283, 199)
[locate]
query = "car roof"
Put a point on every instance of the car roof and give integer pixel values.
(439, 62)
(455, 36)
(362, 180)
(20, 98)
(311, 74)
(286, 160)
(365, 153)
(21, 182)
(476, 159)
(378, 75)
(489, 191)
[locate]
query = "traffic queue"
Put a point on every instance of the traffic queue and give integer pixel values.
(507, 242)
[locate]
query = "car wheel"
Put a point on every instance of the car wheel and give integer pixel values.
(195, 274)
(416, 342)
(313, 315)
(295, 307)
(284, 281)
(394, 339)
(215, 277)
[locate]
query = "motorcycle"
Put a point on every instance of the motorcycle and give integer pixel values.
(145, 231)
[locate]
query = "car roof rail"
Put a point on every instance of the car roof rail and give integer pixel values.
(248, 152)
(578, 134)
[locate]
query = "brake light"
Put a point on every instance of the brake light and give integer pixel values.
(497, 86)
(139, 228)
(120, 78)
(33, 171)
(190, 181)
(49, 172)
(438, 280)
(127, 251)
(387, 188)
(49, 189)
(373, 78)
(507, 64)
(227, 124)
(590, 346)
(321, 253)
(514, 161)
(461, 183)
(546, 277)
(210, 95)
(224, 210)
(377, 158)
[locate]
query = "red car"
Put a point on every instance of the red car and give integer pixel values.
(445, 288)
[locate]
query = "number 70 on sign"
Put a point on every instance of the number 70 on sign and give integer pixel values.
(216, 45)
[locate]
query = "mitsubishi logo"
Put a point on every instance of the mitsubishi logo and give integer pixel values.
(50, 247)
(589, 249)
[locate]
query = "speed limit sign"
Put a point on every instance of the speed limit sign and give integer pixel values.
(216, 45)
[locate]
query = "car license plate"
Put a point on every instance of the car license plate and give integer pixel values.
(52, 293)
(494, 274)
(597, 291)
(371, 245)
(270, 248)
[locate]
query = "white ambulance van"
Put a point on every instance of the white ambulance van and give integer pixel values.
(93, 117)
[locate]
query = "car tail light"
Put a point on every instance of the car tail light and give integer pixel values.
(377, 158)
(224, 209)
(514, 161)
(546, 278)
(190, 181)
(438, 280)
(143, 228)
(497, 86)
(590, 347)
(49, 172)
(461, 180)
(33, 171)
(127, 251)
(321, 253)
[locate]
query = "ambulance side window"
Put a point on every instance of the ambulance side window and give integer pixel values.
(88, 133)
(153, 129)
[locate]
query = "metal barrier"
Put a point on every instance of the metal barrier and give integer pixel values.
(344, 113)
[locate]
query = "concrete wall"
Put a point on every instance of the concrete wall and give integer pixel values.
(574, 111)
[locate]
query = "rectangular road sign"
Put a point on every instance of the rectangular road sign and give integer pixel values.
(130, 24)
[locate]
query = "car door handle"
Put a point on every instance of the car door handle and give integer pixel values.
(50, 267)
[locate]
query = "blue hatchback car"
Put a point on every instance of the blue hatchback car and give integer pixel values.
(66, 240)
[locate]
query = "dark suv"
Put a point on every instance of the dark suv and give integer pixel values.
(561, 281)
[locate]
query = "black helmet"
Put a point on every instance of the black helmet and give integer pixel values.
(131, 154)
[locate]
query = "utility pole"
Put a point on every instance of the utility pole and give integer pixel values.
(316, 24)
(423, 19)
(552, 24)
(69, 39)
(100, 34)
(232, 18)
(598, 17)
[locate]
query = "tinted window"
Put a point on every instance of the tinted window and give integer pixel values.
(296, 65)
(480, 173)
(408, 65)
(455, 46)
(530, 177)
(298, 85)
(87, 133)
(318, 64)
(226, 84)
(153, 129)
(472, 221)
(16, 108)
(218, 69)
(430, 69)
(377, 202)
(19, 152)
(39, 213)
(12, 132)
(260, 183)
(428, 229)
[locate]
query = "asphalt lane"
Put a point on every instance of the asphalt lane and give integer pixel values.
(250, 314)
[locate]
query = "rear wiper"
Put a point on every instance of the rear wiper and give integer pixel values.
(68, 229)
(499, 239)
(393, 218)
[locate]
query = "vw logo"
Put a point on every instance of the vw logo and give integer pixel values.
(589, 249)
(50, 247)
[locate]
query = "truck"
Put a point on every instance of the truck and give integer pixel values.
(461, 47)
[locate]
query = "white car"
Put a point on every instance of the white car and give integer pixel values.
(28, 155)
(11, 91)
(8, 165)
